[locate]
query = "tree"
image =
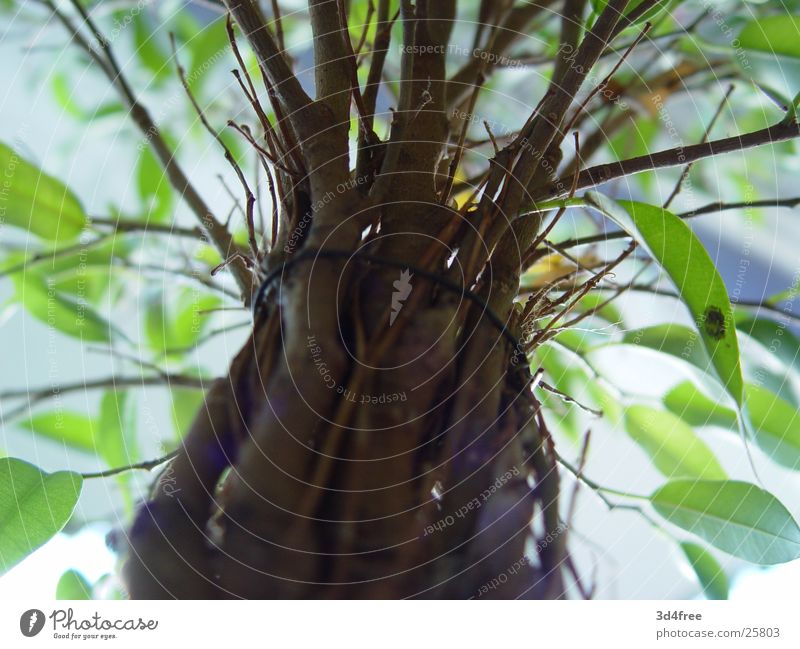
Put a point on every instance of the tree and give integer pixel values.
(392, 425)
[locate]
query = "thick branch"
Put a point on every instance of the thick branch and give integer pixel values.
(314, 123)
(600, 174)
(331, 60)
(288, 88)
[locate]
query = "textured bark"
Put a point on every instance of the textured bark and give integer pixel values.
(424, 493)
(377, 436)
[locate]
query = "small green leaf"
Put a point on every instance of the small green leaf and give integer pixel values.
(736, 517)
(69, 316)
(148, 50)
(34, 506)
(672, 339)
(116, 432)
(185, 405)
(116, 436)
(37, 202)
(696, 409)
(679, 252)
(777, 426)
(673, 446)
(776, 423)
(64, 94)
(73, 586)
(155, 191)
(775, 337)
(778, 34)
(71, 428)
(177, 321)
(710, 574)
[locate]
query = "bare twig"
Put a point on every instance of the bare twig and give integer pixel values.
(37, 395)
(717, 206)
(216, 231)
(128, 225)
(688, 168)
(747, 304)
(148, 465)
(250, 199)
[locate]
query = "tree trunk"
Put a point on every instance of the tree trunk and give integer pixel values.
(372, 452)
(377, 436)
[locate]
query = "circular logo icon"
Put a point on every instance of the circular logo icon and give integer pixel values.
(31, 622)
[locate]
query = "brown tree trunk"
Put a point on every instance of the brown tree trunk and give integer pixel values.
(377, 436)
(366, 459)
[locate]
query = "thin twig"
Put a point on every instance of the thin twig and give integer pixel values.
(215, 231)
(688, 168)
(251, 200)
(716, 206)
(747, 304)
(148, 465)
(37, 395)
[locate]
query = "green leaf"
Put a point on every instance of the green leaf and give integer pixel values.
(736, 517)
(64, 94)
(148, 50)
(597, 303)
(91, 284)
(73, 586)
(776, 338)
(710, 574)
(563, 376)
(673, 446)
(69, 316)
(185, 405)
(209, 46)
(776, 423)
(116, 436)
(85, 274)
(34, 506)
(778, 34)
(116, 429)
(660, 6)
(672, 339)
(580, 341)
(679, 252)
(71, 428)
(768, 51)
(762, 365)
(177, 321)
(777, 426)
(37, 202)
(154, 188)
(696, 409)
